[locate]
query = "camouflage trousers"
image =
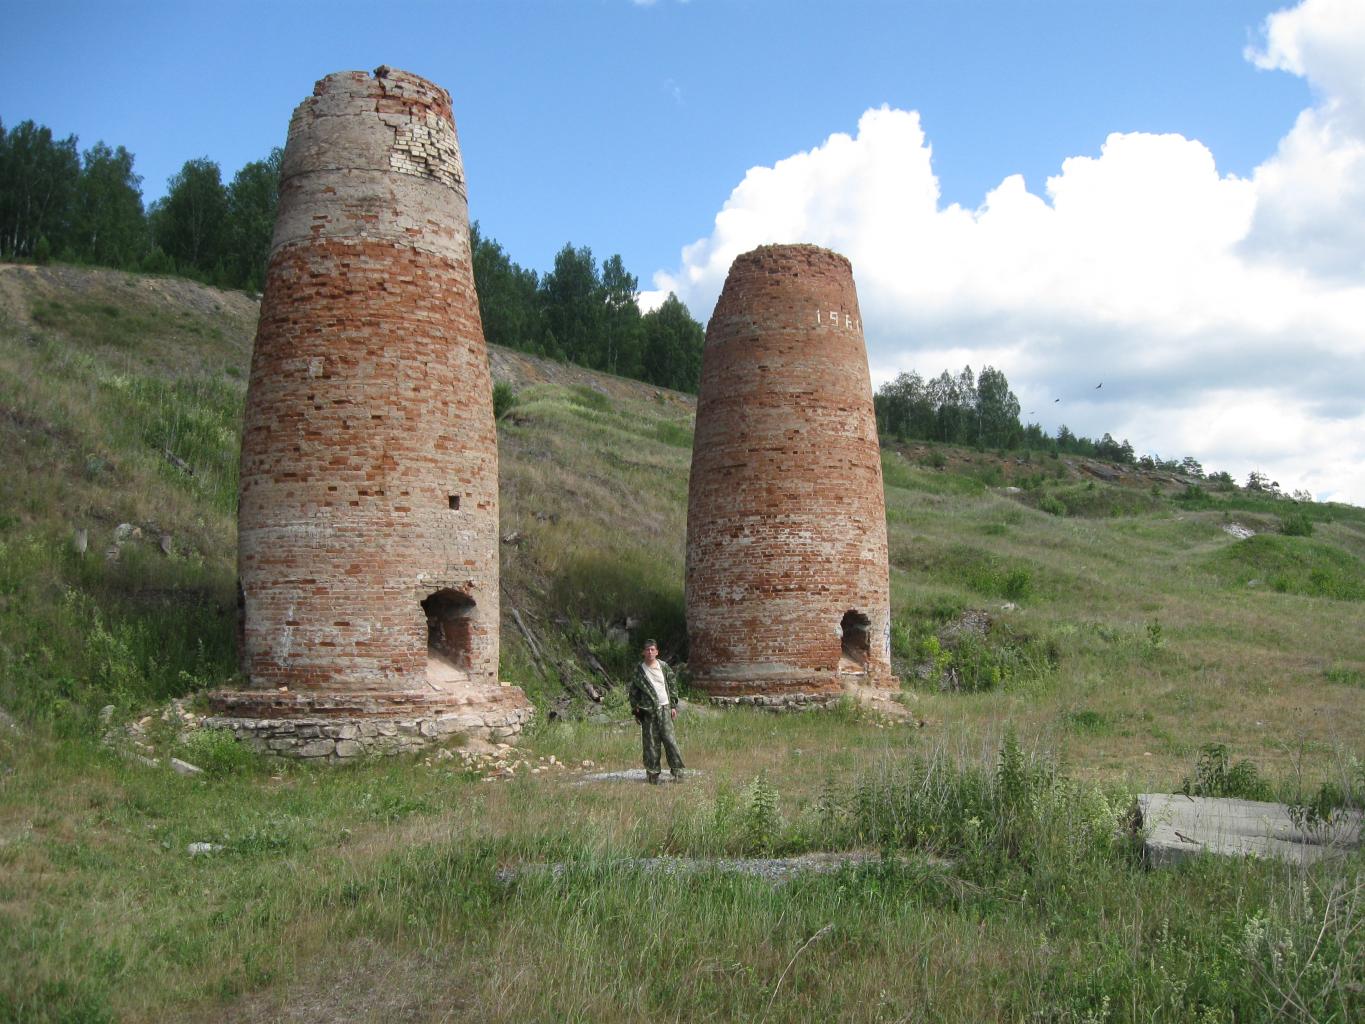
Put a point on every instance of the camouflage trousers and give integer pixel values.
(656, 727)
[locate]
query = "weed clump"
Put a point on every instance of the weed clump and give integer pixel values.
(504, 398)
(218, 753)
(1296, 524)
(972, 654)
(1215, 775)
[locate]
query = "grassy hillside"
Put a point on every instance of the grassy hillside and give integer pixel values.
(1065, 642)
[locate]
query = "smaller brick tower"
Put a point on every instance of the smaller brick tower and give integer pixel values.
(368, 514)
(788, 595)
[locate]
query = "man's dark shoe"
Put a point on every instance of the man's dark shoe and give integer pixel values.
(678, 775)
(652, 778)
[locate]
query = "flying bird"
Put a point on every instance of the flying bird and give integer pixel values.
(1099, 385)
(1055, 401)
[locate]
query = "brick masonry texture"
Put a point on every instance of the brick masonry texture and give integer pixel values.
(368, 516)
(786, 522)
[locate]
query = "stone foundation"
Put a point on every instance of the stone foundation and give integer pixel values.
(779, 701)
(341, 727)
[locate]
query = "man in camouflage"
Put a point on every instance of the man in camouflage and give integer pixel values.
(654, 703)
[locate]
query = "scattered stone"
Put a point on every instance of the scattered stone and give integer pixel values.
(106, 714)
(203, 849)
(1178, 827)
(167, 546)
(1238, 530)
(80, 541)
(7, 722)
(1009, 606)
(185, 768)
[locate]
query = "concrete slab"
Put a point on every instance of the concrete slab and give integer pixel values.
(772, 869)
(1178, 827)
(633, 775)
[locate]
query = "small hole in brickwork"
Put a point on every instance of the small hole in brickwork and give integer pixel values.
(450, 634)
(856, 629)
(455, 502)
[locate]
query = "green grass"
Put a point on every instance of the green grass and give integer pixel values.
(1000, 890)
(1292, 565)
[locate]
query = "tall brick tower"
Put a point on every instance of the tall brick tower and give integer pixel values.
(368, 518)
(788, 596)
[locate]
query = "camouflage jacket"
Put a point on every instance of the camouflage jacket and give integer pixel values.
(642, 691)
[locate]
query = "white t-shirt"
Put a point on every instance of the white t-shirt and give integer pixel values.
(655, 675)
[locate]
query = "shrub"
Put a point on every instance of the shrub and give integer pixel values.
(504, 398)
(42, 252)
(217, 752)
(1051, 506)
(761, 817)
(1216, 775)
(1017, 584)
(1296, 524)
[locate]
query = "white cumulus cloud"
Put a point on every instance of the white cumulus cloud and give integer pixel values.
(1225, 315)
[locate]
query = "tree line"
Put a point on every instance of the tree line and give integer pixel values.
(582, 313)
(982, 411)
(57, 202)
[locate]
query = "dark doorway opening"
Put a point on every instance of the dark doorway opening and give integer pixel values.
(857, 641)
(450, 628)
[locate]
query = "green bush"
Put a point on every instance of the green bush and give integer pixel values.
(1216, 775)
(218, 752)
(504, 398)
(1049, 504)
(1296, 524)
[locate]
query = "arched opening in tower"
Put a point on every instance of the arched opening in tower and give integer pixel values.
(856, 630)
(450, 635)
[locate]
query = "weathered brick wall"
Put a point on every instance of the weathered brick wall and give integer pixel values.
(369, 410)
(786, 522)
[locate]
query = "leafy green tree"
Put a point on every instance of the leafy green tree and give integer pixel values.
(251, 202)
(997, 410)
(38, 178)
(190, 223)
(905, 408)
(109, 226)
(508, 301)
(571, 304)
(622, 329)
(673, 344)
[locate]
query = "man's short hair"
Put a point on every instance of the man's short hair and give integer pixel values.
(650, 643)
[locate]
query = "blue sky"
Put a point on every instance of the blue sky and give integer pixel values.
(624, 126)
(631, 127)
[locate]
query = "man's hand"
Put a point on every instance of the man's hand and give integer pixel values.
(673, 712)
